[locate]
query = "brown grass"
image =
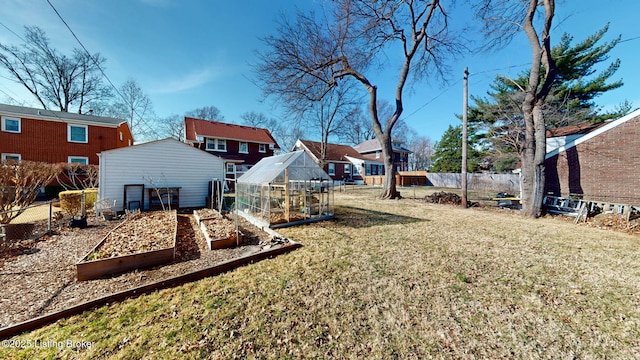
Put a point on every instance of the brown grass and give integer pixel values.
(391, 279)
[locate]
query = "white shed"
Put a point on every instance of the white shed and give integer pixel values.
(134, 175)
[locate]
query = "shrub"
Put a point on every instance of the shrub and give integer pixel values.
(20, 184)
(71, 200)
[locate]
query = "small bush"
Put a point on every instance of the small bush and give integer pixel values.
(71, 200)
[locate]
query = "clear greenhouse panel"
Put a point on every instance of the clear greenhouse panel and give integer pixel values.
(284, 190)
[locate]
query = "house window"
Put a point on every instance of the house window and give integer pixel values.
(216, 144)
(120, 135)
(11, 125)
(82, 160)
(347, 168)
(356, 170)
(11, 157)
(231, 168)
(332, 169)
(262, 148)
(77, 133)
(244, 148)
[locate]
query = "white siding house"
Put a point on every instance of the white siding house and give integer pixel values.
(166, 163)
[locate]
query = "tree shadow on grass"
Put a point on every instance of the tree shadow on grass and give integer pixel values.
(357, 217)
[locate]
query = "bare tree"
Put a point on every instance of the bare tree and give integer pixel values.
(172, 126)
(56, 80)
(345, 43)
(136, 107)
(422, 151)
(20, 184)
(285, 132)
(210, 113)
(258, 120)
(502, 20)
(74, 176)
(329, 115)
(357, 129)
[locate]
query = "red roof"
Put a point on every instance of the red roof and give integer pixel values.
(583, 128)
(335, 152)
(205, 128)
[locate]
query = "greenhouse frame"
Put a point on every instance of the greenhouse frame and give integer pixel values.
(285, 190)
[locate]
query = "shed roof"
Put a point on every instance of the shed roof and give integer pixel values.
(168, 142)
(272, 169)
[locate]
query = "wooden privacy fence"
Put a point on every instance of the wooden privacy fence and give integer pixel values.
(403, 178)
(484, 182)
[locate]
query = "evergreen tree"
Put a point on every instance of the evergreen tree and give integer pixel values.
(570, 102)
(447, 155)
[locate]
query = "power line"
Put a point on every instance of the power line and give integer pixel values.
(11, 31)
(489, 71)
(85, 49)
(629, 39)
(101, 70)
(500, 69)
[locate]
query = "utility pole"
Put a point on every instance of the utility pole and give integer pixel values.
(465, 108)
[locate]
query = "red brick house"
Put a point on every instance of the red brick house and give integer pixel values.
(372, 149)
(600, 165)
(239, 146)
(342, 162)
(57, 137)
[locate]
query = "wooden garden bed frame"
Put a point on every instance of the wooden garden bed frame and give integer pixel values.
(217, 243)
(88, 270)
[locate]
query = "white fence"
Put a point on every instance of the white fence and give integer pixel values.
(484, 182)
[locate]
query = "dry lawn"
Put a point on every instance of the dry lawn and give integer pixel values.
(390, 279)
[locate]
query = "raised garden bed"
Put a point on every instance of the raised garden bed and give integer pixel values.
(143, 240)
(219, 231)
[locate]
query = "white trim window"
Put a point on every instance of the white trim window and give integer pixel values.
(210, 144)
(347, 168)
(11, 125)
(231, 168)
(244, 148)
(332, 169)
(78, 133)
(82, 160)
(214, 144)
(262, 148)
(11, 157)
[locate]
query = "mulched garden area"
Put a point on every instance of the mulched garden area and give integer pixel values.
(39, 277)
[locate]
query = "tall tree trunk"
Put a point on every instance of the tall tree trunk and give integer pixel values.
(534, 151)
(389, 190)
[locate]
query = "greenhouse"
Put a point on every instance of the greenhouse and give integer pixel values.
(285, 190)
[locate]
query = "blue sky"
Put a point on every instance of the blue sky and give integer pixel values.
(187, 54)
